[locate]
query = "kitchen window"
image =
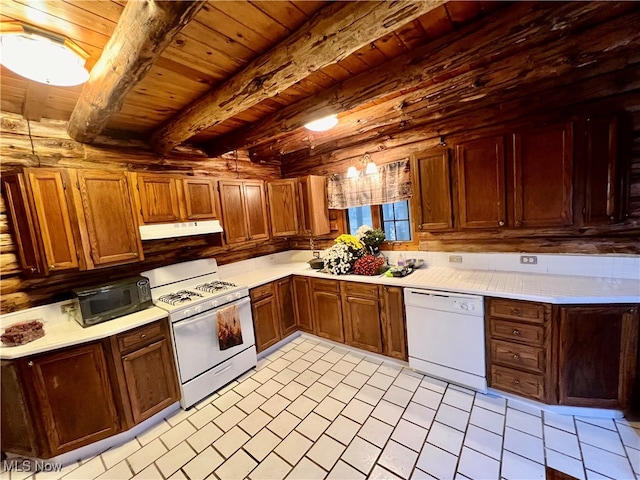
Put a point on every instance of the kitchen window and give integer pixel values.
(393, 218)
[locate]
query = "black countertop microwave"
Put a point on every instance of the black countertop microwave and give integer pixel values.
(112, 300)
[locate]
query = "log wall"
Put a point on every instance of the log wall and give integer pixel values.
(48, 145)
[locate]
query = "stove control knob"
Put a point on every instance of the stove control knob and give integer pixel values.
(238, 295)
(214, 303)
(186, 313)
(229, 298)
(197, 309)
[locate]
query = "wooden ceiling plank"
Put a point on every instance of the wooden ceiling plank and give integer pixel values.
(335, 32)
(254, 19)
(125, 61)
(108, 10)
(218, 43)
(390, 46)
(286, 13)
(474, 46)
(309, 7)
(436, 23)
(370, 55)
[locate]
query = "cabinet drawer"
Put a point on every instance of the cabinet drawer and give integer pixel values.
(527, 311)
(262, 291)
(355, 289)
(517, 355)
(531, 334)
(515, 381)
(140, 337)
(322, 285)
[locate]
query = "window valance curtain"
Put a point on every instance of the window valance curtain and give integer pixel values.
(391, 184)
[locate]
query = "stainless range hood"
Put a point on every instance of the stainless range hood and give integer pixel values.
(182, 229)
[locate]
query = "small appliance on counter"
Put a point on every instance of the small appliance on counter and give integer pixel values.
(112, 300)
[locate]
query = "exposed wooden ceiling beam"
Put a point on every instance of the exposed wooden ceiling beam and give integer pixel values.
(458, 53)
(336, 31)
(35, 100)
(143, 31)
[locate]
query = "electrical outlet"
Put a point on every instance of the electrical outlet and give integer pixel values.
(316, 254)
(528, 259)
(455, 258)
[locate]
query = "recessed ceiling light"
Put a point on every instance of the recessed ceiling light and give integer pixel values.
(322, 124)
(43, 57)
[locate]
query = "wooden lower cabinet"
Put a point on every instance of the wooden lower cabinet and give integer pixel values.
(327, 309)
(286, 307)
(394, 325)
(65, 397)
(578, 355)
(146, 372)
(303, 303)
(266, 322)
(361, 316)
(597, 350)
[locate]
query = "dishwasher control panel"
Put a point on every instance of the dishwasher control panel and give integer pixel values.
(444, 301)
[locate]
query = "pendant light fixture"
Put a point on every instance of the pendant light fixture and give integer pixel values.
(323, 124)
(42, 56)
(370, 167)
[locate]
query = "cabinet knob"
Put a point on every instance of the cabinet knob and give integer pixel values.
(516, 331)
(30, 363)
(144, 335)
(32, 270)
(501, 223)
(51, 267)
(515, 311)
(516, 356)
(516, 382)
(518, 223)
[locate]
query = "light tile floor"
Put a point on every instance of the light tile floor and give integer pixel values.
(311, 410)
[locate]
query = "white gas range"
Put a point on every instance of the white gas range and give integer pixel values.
(197, 301)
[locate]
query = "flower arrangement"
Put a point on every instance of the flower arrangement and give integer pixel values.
(352, 242)
(368, 265)
(339, 259)
(372, 238)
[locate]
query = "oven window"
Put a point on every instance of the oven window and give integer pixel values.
(110, 302)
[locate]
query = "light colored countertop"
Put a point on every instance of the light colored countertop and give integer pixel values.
(61, 331)
(556, 289)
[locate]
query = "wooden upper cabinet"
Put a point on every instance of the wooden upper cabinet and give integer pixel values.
(432, 196)
(52, 201)
(543, 176)
(107, 224)
(283, 195)
(597, 354)
(481, 183)
(244, 210)
(604, 179)
(158, 198)
(199, 198)
(314, 206)
(256, 210)
(23, 223)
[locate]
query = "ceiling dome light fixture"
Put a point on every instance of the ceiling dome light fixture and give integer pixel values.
(322, 124)
(42, 56)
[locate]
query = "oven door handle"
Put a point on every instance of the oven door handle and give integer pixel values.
(201, 316)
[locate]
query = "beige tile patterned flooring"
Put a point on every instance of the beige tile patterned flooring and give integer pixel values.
(312, 410)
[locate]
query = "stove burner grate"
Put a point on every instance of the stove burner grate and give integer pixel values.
(181, 296)
(216, 286)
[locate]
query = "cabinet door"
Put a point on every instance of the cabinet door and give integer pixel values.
(266, 322)
(543, 176)
(48, 190)
(362, 325)
(256, 210)
(432, 198)
(199, 198)
(233, 210)
(314, 206)
(394, 326)
(158, 198)
(74, 396)
(16, 430)
(327, 309)
(151, 380)
(603, 186)
(481, 183)
(303, 303)
(597, 355)
(23, 223)
(286, 306)
(283, 207)
(107, 222)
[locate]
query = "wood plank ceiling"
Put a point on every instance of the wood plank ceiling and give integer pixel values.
(217, 43)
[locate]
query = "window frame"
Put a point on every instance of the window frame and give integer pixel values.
(376, 217)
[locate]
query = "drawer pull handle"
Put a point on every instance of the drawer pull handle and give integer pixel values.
(516, 356)
(516, 332)
(144, 335)
(516, 382)
(30, 363)
(515, 311)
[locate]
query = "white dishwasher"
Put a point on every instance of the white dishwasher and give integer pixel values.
(445, 333)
